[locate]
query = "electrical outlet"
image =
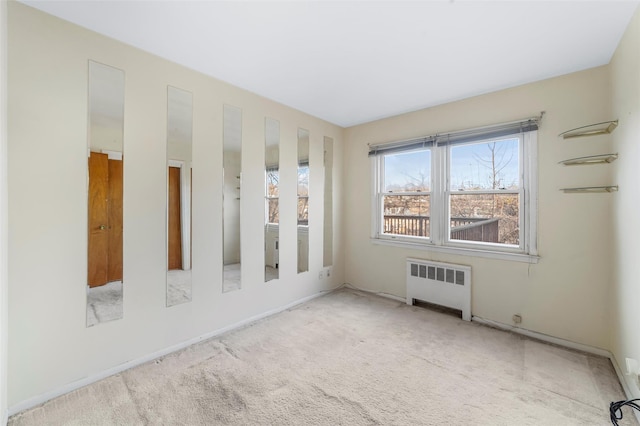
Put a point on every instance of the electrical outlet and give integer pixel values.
(517, 318)
(328, 273)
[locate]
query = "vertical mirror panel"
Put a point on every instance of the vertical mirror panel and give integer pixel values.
(303, 200)
(232, 173)
(272, 197)
(105, 193)
(327, 256)
(179, 173)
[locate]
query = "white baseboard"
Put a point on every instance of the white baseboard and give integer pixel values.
(533, 334)
(387, 295)
(568, 344)
(44, 397)
(544, 337)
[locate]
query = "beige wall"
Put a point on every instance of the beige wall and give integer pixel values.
(104, 138)
(625, 308)
(49, 345)
(3, 213)
(566, 293)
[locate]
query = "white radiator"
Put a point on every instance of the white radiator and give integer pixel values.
(443, 284)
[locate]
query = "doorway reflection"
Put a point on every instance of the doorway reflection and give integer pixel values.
(179, 142)
(232, 177)
(105, 194)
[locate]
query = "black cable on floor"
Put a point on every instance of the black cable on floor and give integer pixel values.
(615, 409)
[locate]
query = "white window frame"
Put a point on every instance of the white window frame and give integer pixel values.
(381, 194)
(440, 231)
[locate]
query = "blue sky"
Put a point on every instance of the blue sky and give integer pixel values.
(470, 166)
(399, 168)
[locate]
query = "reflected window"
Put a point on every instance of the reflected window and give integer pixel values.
(303, 193)
(303, 200)
(273, 196)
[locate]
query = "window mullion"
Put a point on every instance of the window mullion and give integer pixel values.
(523, 193)
(437, 204)
(376, 200)
(532, 191)
(530, 177)
(446, 193)
(380, 197)
(524, 219)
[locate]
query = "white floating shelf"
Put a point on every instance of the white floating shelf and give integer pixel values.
(592, 159)
(590, 189)
(603, 128)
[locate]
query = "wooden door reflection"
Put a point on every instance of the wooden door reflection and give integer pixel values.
(175, 225)
(105, 220)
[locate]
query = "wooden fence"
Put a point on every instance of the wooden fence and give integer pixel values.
(462, 228)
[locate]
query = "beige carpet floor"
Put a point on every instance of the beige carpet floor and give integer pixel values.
(104, 303)
(350, 358)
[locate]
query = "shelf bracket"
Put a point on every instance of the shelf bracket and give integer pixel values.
(592, 159)
(603, 128)
(590, 189)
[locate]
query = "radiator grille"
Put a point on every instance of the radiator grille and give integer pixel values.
(439, 283)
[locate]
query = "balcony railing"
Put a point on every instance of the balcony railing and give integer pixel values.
(484, 230)
(417, 226)
(462, 228)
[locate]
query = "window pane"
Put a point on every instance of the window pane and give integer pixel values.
(303, 181)
(407, 172)
(303, 211)
(492, 218)
(406, 215)
(274, 213)
(493, 165)
(273, 179)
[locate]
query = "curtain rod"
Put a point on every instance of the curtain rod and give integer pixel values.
(436, 136)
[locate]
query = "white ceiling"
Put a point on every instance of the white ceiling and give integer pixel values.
(351, 62)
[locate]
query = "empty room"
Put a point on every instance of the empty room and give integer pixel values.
(319, 212)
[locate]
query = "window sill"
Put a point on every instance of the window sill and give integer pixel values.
(461, 251)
